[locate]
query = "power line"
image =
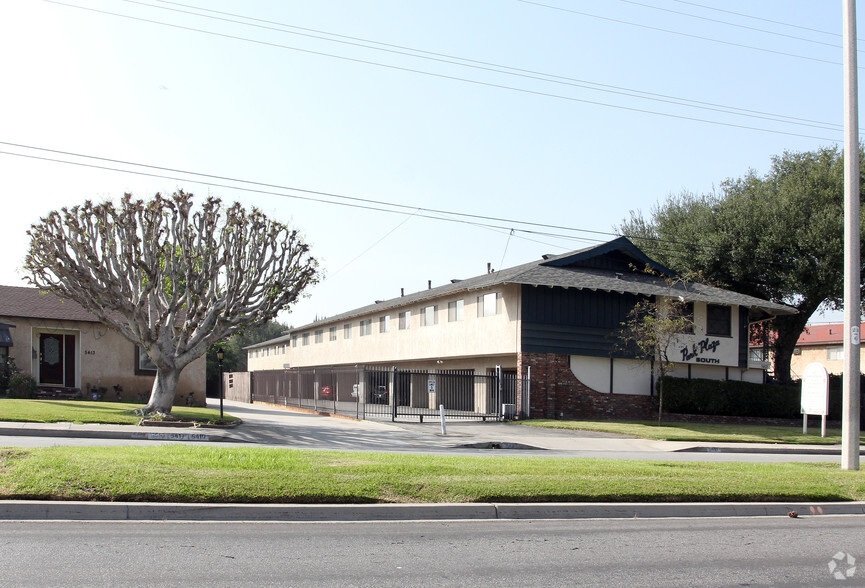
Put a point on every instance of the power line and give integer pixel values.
(670, 245)
(456, 78)
(732, 24)
(743, 15)
(489, 66)
(681, 34)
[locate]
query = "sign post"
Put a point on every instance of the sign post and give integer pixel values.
(815, 395)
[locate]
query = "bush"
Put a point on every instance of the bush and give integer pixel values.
(744, 399)
(7, 370)
(22, 385)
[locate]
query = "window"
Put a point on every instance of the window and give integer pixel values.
(366, 327)
(267, 351)
(331, 332)
(143, 365)
(428, 316)
(319, 336)
(284, 348)
(718, 320)
(687, 313)
(294, 340)
(346, 331)
(405, 320)
(305, 338)
(835, 353)
(490, 304)
(455, 311)
(384, 324)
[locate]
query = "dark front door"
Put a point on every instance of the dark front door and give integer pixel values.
(51, 359)
(56, 359)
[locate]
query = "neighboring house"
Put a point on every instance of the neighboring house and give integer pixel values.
(822, 344)
(556, 317)
(65, 348)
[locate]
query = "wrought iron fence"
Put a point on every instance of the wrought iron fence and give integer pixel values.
(370, 393)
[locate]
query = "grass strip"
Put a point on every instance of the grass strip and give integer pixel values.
(176, 473)
(86, 411)
(733, 433)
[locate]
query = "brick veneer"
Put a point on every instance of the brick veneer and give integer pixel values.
(557, 393)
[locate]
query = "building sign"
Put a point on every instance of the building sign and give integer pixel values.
(815, 390)
(702, 351)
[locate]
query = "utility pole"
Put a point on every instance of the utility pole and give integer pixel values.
(852, 313)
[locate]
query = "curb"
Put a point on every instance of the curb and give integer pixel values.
(31, 510)
(765, 450)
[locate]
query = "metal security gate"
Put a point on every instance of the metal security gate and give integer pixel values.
(368, 393)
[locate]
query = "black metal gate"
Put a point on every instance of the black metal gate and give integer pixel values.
(369, 393)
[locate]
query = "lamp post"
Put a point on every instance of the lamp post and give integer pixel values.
(220, 355)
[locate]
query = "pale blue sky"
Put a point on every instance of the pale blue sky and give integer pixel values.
(264, 104)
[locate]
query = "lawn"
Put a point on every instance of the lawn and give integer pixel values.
(698, 431)
(86, 411)
(178, 473)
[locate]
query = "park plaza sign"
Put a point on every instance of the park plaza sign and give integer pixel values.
(705, 350)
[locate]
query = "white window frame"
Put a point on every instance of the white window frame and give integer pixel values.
(489, 304)
(405, 320)
(365, 327)
(429, 315)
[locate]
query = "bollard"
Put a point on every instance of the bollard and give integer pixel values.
(442, 411)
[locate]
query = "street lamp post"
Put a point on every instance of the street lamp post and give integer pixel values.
(220, 355)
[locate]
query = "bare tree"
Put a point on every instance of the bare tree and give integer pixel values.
(171, 279)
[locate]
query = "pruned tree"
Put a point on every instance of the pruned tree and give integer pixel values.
(172, 279)
(651, 330)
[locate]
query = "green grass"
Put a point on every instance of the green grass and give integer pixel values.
(698, 431)
(85, 411)
(177, 473)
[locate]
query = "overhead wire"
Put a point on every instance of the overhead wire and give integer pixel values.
(681, 34)
(489, 66)
(465, 80)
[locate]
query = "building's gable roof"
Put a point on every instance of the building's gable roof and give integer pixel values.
(17, 301)
(616, 266)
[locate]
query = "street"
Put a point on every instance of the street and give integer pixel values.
(623, 552)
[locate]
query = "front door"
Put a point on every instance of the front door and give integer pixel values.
(56, 359)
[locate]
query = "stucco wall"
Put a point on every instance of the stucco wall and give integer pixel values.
(102, 358)
(445, 340)
(820, 354)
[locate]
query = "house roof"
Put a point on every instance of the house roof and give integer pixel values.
(824, 334)
(17, 301)
(616, 266)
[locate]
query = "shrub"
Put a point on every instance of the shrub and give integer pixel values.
(22, 385)
(741, 399)
(7, 370)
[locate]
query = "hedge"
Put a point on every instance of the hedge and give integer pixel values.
(743, 399)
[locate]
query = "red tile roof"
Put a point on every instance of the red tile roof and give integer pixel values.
(823, 334)
(16, 301)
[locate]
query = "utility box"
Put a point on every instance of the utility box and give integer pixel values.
(509, 412)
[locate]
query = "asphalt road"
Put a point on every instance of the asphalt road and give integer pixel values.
(624, 552)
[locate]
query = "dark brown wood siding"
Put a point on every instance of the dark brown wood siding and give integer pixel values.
(571, 321)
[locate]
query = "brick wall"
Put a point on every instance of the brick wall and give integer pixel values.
(557, 393)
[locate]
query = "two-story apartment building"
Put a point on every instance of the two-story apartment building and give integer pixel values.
(556, 317)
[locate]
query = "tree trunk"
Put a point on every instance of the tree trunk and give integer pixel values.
(164, 389)
(789, 328)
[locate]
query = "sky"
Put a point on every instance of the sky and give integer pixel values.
(409, 142)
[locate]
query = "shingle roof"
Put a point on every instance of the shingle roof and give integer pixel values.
(573, 270)
(17, 301)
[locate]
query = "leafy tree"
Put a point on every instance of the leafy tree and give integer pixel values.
(235, 355)
(652, 329)
(779, 237)
(172, 280)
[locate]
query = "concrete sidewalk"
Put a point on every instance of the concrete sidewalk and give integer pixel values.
(278, 426)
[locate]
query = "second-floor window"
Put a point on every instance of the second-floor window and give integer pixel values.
(384, 324)
(366, 327)
(490, 304)
(428, 316)
(405, 320)
(455, 310)
(331, 332)
(718, 320)
(346, 331)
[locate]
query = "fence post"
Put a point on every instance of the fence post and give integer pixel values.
(499, 396)
(528, 393)
(391, 387)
